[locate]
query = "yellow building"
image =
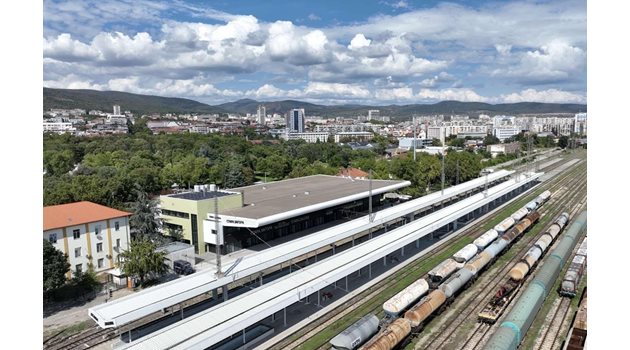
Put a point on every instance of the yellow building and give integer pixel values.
(89, 233)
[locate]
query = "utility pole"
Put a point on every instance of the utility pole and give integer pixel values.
(442, 170)
(370, 199)
(216, 229)
(414, 138)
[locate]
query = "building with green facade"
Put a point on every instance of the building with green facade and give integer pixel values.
(187, 211)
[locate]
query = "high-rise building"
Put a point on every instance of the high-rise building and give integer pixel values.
(373, 114)
(295, 120)
(262, 114)
(116, 110)
(580, 124)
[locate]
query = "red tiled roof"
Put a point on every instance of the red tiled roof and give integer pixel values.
(353, 172)
(57, 216)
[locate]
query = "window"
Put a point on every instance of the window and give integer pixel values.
(174, 213)
(52, 238)
(78, 268)
(118, 242)
(116, 226)
(76, 233)
(99, 247)
(100, 263)
(77, 252)
(97, 229)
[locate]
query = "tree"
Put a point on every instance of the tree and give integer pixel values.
(55, 267)
(436, 142)
(491, 140)
(145, 218)
(234, 176)
(142, 260)
(563, 142)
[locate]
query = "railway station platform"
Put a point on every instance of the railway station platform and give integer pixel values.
(259, 264)
(230, 318)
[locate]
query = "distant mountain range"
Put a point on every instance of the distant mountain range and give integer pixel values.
(147, 104)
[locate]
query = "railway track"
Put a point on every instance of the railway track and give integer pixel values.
(375, 307)
(444, 336)
(480, 333)
(549, 337)
(84, 340)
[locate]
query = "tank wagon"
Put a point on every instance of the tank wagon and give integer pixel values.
(511, 332)
(466, 253)
(393, 334)
(569, 285)
(522, 268)
(405, 298)
(520, 214)
(484, 240)
(357, 334)
(443, 271)
(425, 308)
(504, 225)
(509, 288)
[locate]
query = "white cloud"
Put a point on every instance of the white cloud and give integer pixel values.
(358, 42)
(72, 81)
(464, 95)
(337, 90)
(548, 96)
(67, 49)
(396, 94)
(119, 49)
(314, 17)
(556, 61)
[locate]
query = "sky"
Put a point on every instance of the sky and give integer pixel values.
(326, 52)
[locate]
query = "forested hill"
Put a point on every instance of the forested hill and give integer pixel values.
(145, 104)
(136, 103)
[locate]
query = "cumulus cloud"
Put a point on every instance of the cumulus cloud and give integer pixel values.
(445, 51)
(358, 42)
(65, 48)
(556, 61)
(548, 96)
(464, 95)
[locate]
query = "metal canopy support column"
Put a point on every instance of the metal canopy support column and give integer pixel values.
(333, 249)
(273, 317)
(215, 294)
(346, 283)
(319, 292)
(417, 243)
(181, 311)
(225, 293)
(385, 260)
(284, 311)
(370, 270)
(244, 342)
(402, 251)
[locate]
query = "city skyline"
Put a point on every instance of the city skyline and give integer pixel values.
(378, 53)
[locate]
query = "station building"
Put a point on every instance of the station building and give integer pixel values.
(252, 215)
(89, 233)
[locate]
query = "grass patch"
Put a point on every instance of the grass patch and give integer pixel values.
(68, 331)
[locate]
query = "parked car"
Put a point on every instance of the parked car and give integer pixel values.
(182, 267)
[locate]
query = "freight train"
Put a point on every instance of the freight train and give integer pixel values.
(576, 339)
(514, 328)
(569, 285)
(458, 271)
(509, 288)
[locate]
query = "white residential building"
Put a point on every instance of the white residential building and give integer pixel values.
(89, 233)
(59, 127)
(580, 124)
(261, 115)
(355, 135)
(310, 137)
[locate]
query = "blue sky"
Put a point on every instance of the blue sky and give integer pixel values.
(329, 52)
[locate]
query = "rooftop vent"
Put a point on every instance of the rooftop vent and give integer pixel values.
(307, 193)
(295, 195)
